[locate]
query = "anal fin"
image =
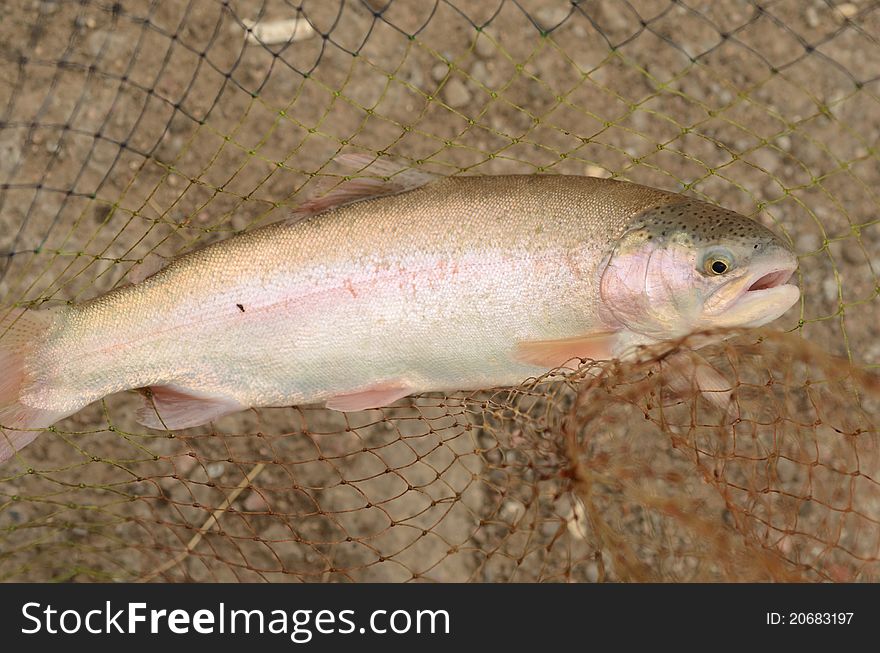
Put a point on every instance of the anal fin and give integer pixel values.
(170, 407)
(373, 397)
(550, 354)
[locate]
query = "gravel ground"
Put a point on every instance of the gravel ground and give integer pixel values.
(138, 133)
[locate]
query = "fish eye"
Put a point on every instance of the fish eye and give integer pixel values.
(717, 263)
(717, 266)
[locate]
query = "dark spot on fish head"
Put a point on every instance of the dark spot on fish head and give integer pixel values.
(240, 307)
(701, 224)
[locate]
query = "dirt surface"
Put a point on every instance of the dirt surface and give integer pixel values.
(135, 131)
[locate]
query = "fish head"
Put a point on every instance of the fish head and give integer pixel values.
(688, 266)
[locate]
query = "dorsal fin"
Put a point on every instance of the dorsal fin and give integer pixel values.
(147, 267)
(377, 178)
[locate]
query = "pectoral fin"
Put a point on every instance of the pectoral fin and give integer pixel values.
(169, 407)
(556, 353)
(689, 373)
(373, 397)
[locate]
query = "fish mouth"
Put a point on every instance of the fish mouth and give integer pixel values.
(770, 280)
(755, 299)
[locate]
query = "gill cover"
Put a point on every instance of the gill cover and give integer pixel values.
(648, 286)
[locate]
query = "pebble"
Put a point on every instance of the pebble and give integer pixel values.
(512, 510)
(414, 77)
(484, 48)
(807, 242)
(170, 148)
(10, 154)
(438, 72)
(848, 9)
(215, 470)
(550, 17)
(48, 6)
(617, 16)
(872, 354)
(591, 571)
(84, 22)
(255, 503)
(456, 93)
(851, 252)
(481, 74)
(784, 142)
(787, 470)
(812, 17)
(765, 159)
(108, 45)
(829, 289)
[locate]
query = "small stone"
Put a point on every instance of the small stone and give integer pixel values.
(784, 142)
(591, 571)
(617, 17)
(102, 212)
(851, 252)
(109, 46)
(550, 17)
(484, 48)
(812, 17)
(481, 74)
(255, 502)
(170, 148)
(456, 93)
(439, 71)
(848, 9)
(807, 242)
(872, 354)
(414, 76)
(830, 289)
(787, 470)
(215, 470)
(512, 511)
(765, 158)
(10, 154)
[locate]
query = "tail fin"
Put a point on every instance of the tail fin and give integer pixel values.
(20, 329)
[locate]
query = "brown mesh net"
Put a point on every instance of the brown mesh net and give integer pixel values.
(140, 129)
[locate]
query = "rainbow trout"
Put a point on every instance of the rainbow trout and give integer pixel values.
(391, 286)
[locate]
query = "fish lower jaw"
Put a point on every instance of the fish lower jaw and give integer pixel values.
(754, 308)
